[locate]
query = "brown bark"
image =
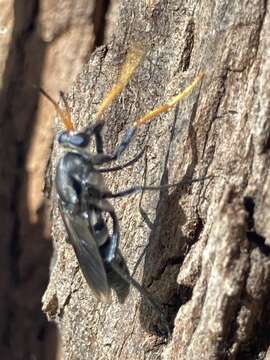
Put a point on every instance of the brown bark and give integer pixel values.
(207, 245)
(42, 43)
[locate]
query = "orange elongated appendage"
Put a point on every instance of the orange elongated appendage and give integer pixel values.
(64, 115)
(131, 63)
(167, 106)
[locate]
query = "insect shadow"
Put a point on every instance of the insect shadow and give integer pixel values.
(167, 245)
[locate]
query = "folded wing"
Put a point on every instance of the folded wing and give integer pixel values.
(87, 252)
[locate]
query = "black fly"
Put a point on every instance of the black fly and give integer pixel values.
(83, 195)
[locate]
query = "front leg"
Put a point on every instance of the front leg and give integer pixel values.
(100, 159)
(96, 130)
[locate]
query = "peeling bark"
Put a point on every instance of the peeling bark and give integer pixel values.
(207, 245)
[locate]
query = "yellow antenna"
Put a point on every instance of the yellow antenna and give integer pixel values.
(167, 106)
(133, 59)
(63, 114)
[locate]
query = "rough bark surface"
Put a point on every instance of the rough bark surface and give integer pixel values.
(206, 246)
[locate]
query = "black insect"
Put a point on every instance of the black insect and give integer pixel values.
(84, 198)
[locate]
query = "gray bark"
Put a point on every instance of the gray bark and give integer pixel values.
(207, 245)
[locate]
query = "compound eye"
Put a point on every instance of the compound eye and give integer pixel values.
(78, 139)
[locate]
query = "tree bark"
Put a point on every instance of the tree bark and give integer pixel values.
(201, 250)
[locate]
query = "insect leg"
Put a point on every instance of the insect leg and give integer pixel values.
(136, 189)
(114, 238)
(96, 130)
(100, 159)
(104, 205)
(117, 283)
(122, 166)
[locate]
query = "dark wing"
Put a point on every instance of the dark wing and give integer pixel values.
(87, 253)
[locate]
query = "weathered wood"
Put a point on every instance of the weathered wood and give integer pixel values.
(42, 43)
(207, 245)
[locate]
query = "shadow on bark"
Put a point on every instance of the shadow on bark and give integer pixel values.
(167, 245)
(25, 250)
